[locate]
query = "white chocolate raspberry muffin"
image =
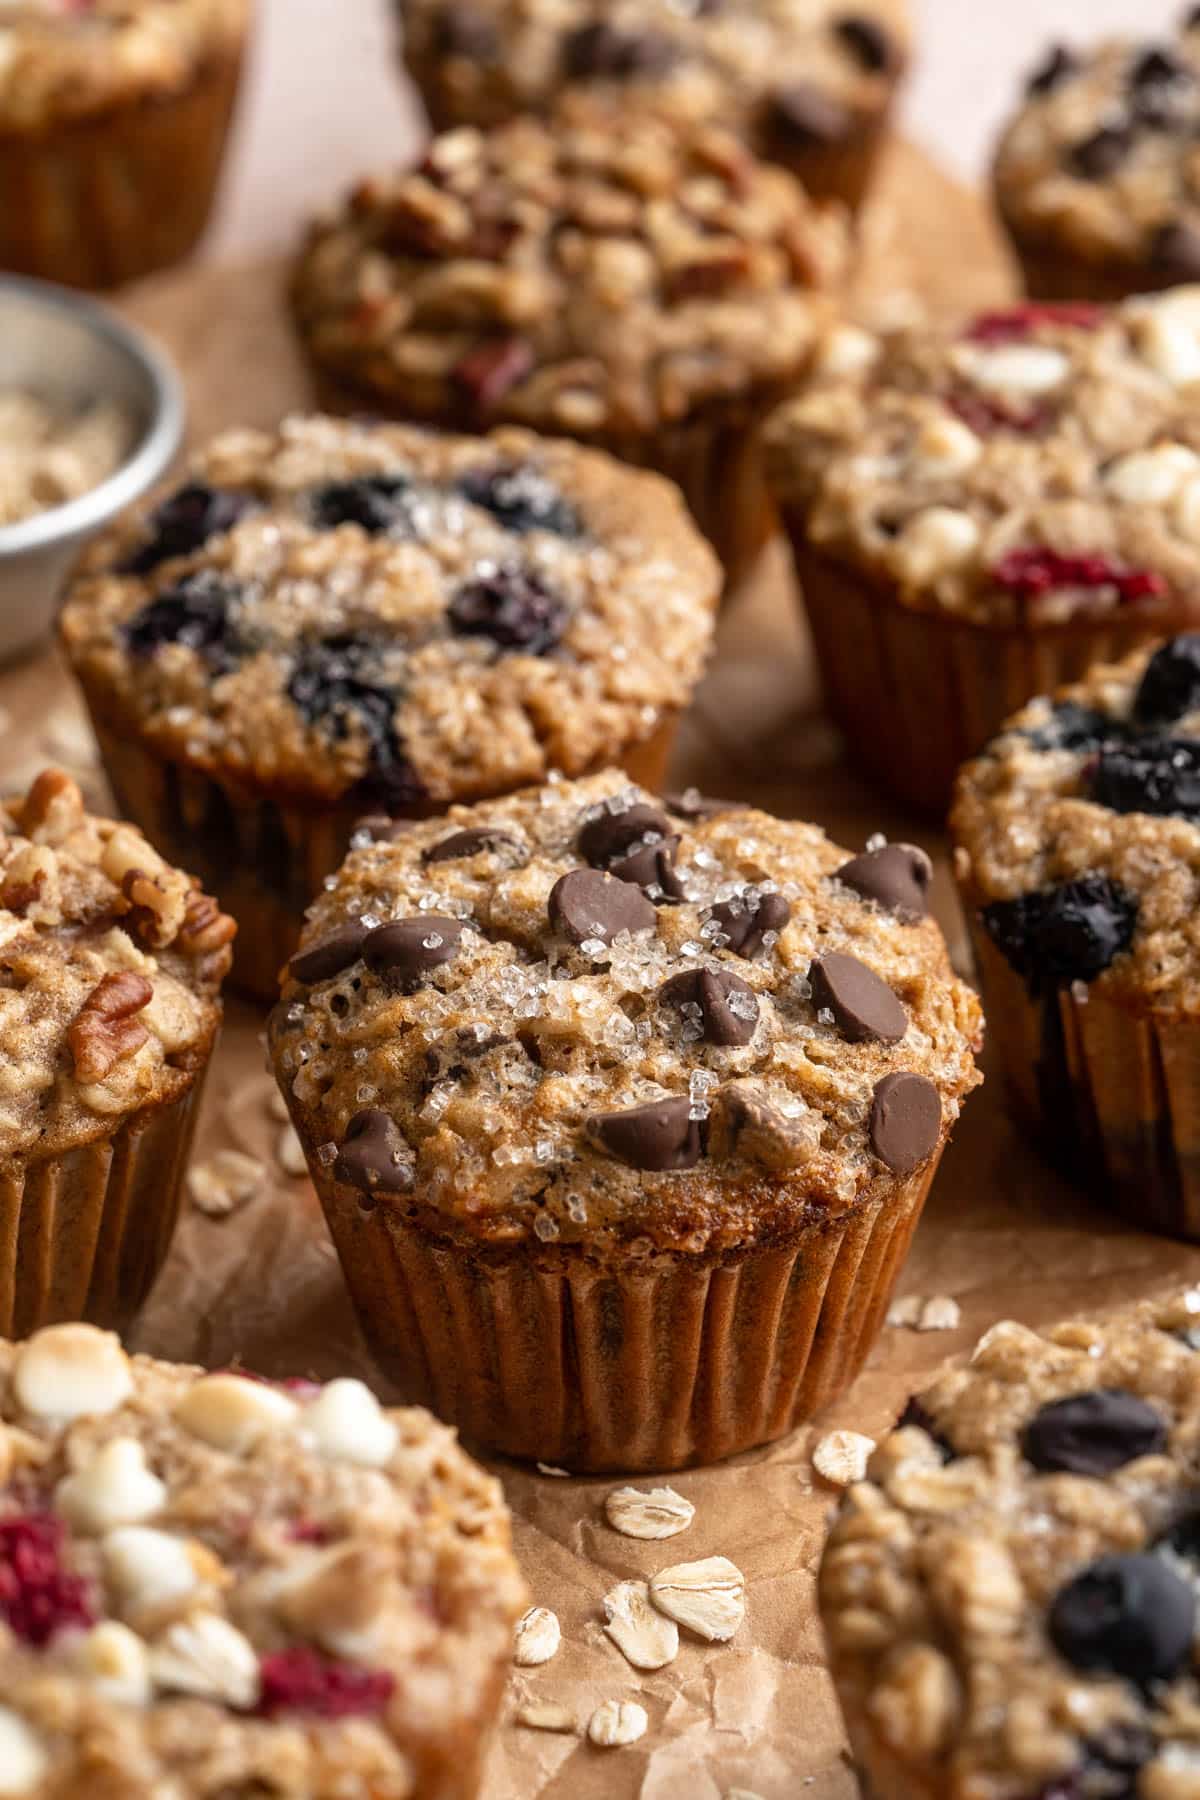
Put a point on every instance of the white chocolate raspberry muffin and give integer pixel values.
(110, 971)
(982, 513)
(622, 1112)
(214, 1585)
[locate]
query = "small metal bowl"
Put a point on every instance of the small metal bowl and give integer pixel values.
(70, 351)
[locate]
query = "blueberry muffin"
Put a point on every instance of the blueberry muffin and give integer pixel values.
(1010, 1597)
(608, 279)
(110, 971)
(808, 83)
(979, 514)
(343, 619)
(113, 120)
(622, 1112)
(213, 1585)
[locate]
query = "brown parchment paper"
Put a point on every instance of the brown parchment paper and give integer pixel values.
(1002, 1235)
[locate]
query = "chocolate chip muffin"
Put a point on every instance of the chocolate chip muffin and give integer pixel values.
(110, 971)
(1078, 856)
(622, 1112)
(980, 514)
(607, 278)
(339, 619)
(113, 121)
(1097, 178)
(1009, 1598)
(212, 1585)
(808, 83)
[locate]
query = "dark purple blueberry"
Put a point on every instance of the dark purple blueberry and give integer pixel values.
(1097, 157)
(194, 613)
(1062, 934)
(1073, 727)
(1183, 1539)
(916, 1413)
(513, 607)
(1111, 1765)
(521, 498)
(1160, 776)
(377, 503)
(602, 52)
(1058, 67)
(1160, 86)
(332, 687)
(867, 41)
(460, 30)
(1092, 1433)
(1170, 686)
(1175, 251)
(185, 521)
(1125, 1615)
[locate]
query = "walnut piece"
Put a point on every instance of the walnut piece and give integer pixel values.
(106, 1030)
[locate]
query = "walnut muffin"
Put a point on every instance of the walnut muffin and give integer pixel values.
(113, 120)
(1077, 839)
(980, 514)
(110, 971)
(214, 1585)
(1097, 177)
(808, 83)
(645, 290)
(1009, 1598)
(346, 618)
(622, 1112)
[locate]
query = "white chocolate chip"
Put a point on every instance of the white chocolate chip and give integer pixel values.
(558, 1474)
(940, 1313)
(231, 1413)
(841, 1457)
(644, 1637)
(70, 1372)
(1152, 477)
(1186, 512)
(933, 543)
(709, 1596)
(1024, 369)
(23, 1762)
(546, 1715)
(206, 1656)
(538, 1637)
(148, 1567)
(653, 1513)
(846, 350)
(114, 1488)
(289, 1152)
(945, 447)
(616, 1723)
(346, 1423)
(1168, 335)
(116, 1662)
(906, 1311)
(337, 1598)
(227, 1181)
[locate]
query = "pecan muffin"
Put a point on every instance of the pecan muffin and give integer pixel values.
(1097, 178)
(1009, 1598)
(980, 514)
(808, 83)
(110, 972)
(1077, 839)
(622, 1112)
(212, 1585)
(608, 278)
(338, 619)
(113, 120)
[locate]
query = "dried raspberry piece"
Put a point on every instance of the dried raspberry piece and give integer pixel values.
(39, 1597)
(1015, 323)
(986, 416)
(301, 1681)
(1038, 570)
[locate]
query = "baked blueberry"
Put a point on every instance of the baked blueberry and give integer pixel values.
(332, 687)
(522, 499)
(1073, 727)
(378, 503)
(1170, 687)
(194, 613)
(1063, 934)
(512, 606)
(603, 52)
(1160, 776)
(1125, 1615)
(185, 521)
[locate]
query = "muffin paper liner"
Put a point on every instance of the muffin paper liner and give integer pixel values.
(99, 201)
(1049, 273)
(917, 693)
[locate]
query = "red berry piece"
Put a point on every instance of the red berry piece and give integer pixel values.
(988, 416)
(39, 1596)
(1037, 570)
(1016, 323)
(301, 1681)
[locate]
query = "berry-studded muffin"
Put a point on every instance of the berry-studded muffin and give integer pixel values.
(980, 514)
(622, 1112)
(607, 279)
(213, 1585)
(1010, 1597)
(808, 83)
(1077, 839)
(110, 971)
(1097, 178)
(113, 120)
(342, 619)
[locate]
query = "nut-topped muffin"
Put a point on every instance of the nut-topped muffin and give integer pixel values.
(346, 618)
(1097, 177)
(215, 1585)
(642, 289)
(622, 1112)
(1009, 1598)
(1078, 856)
(979, 514)
(113, 119)
(808, 83)
(111, 964)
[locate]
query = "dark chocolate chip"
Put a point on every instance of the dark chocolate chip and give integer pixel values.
(513, 607)
(1061, 934)
(864, 1007)
(692, 804)
(602, 52)
(608, 837)
(659, 1137)
(867, 41)
(804, 117)
(1170, 685)
(374, 1157)
(1125, 1615)
(492, 369)
(1092, 1433)
(728, 1006)
(747, 920)
(1097, 157)
(906, 1121)
(1176, 251)
(462, 844)
(896, 877)
(329, 955)
(408, 950)
(1060, 65)
(588, 904)
(652, 868)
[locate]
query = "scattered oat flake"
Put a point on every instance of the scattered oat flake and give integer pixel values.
(648, 1513)
(644, 1637)
(905, 1311)
(546, 1715)
(538, 1637)
(941, 1313)
(842, 1457)
(549, 1469)
(289, 1153)
(277, 1105)
(67, 738)
(228, 1179)
(617, 1722)
(709, 1596)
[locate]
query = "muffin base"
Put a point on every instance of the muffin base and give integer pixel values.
(1048, 273)
(103, 200)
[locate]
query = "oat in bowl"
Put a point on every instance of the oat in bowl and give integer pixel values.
(48, 456)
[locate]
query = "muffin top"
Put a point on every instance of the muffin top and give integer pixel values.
(1010, 1596)
(110, 968)
(790, 74)
(604, 277)
(588, 1015)
(1078, 831)
(1035, 466)
(374, 615)
(64, 59)
(215, 1585)
(1102, 161)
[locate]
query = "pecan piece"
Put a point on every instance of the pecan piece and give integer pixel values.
(106, 1030)
(205, 927)
(53, 808)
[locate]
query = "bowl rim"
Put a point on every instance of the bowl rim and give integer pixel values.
(150, 456)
